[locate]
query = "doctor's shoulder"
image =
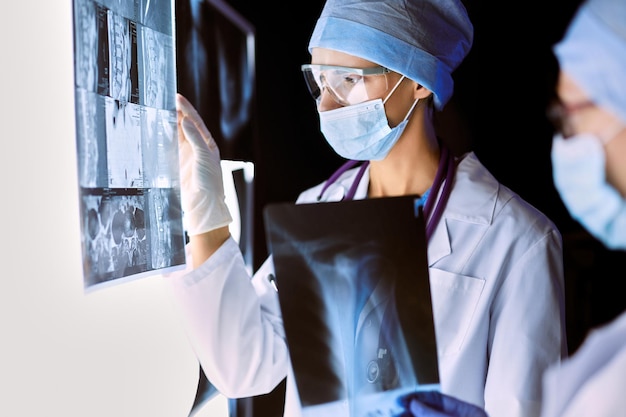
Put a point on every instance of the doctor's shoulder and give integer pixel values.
(481, 187)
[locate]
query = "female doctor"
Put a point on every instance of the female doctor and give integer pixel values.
(379, 70)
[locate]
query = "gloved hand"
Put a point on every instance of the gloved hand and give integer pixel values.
(202, 187)
(436, 404)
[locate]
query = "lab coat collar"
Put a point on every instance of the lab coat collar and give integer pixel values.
(474, 194)
(472, 200)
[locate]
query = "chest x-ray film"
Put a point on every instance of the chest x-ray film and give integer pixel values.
(354, 291)
(126, 139)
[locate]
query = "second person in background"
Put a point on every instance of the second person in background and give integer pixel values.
(379, 71)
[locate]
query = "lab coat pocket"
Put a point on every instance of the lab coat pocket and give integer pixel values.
(454, 298)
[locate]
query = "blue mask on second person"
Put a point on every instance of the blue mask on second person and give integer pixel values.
(578, 164)
(361, 132)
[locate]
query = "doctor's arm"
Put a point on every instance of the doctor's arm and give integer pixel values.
(206, 244)
(233, 322)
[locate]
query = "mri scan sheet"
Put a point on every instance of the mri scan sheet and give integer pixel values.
(126, 140)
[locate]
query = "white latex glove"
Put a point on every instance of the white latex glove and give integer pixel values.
(202, 192)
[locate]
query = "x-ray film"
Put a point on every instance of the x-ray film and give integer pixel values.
(126, 139)
(354, 291)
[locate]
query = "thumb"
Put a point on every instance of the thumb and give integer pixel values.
(419, 409)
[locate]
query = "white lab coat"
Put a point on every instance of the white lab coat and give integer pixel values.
(591, 382)
(496, 277)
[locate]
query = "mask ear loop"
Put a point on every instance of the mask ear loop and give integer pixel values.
(411, 109)
(408, 114)
(393, 89)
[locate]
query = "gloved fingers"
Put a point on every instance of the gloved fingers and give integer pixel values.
(202, 190)
(419, 409)
(431, 398)
(185, 150)
(195, 137)
(437, 404)
(188, 110)
(185, 147)
(456, 407)
(184, 106)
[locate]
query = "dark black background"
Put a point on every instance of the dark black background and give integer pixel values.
(498, 110)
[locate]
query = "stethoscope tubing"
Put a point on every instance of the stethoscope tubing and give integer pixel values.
(444, 175)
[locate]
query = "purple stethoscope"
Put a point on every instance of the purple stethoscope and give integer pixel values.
(432, 212)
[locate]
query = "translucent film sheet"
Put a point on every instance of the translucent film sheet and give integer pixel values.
(353, 285)
(126, 139)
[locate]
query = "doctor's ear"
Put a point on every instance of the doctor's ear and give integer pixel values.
(421, 92)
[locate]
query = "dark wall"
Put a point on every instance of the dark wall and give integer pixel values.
(291, 153)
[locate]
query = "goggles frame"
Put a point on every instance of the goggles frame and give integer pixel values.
(560, 114)
(316, 86)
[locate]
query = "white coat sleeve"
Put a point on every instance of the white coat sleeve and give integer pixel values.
(233, 322)
(591, 382)
(527, 330)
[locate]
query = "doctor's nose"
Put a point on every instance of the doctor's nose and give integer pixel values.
(326, 101)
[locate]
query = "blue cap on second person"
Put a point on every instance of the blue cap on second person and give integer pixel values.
(425, 40)
(593, 52)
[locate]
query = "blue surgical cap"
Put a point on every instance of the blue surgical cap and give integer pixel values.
(424, 40)
(593, 52)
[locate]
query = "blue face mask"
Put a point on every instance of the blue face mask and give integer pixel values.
(578, 165)
(361, 131)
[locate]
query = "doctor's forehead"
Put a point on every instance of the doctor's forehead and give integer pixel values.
(323, 56)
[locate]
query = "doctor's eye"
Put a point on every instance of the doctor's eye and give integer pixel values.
(351, 79)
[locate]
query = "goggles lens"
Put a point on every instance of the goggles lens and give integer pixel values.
(560, 115)
(347, 86)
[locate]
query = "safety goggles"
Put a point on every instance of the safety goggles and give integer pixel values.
(347, 86)
(560, 115)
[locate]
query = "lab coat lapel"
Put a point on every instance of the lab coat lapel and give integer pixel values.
(472, 202)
